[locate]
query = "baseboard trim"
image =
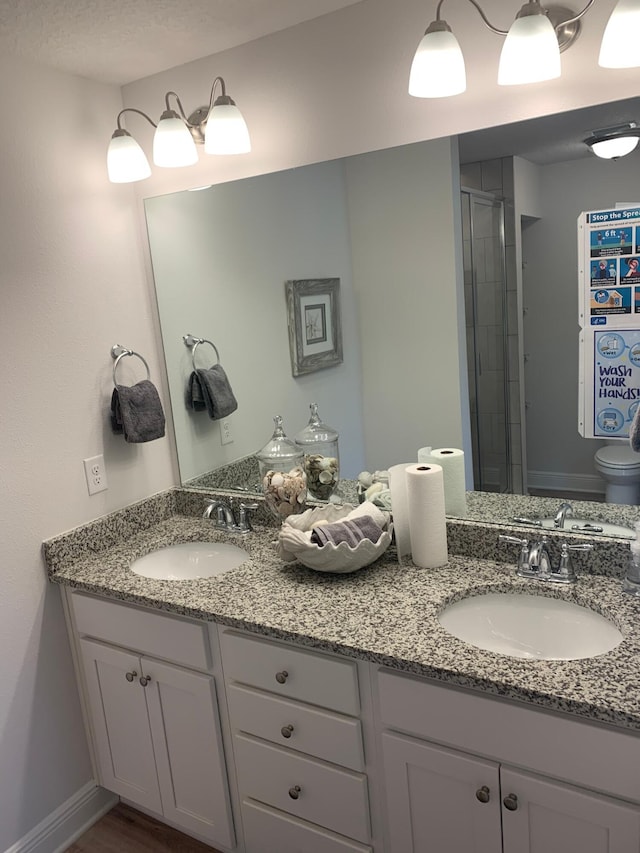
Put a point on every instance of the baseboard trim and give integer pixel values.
(67, 823)
(562, 482)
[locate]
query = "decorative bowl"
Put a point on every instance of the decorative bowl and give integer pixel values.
(294, 544)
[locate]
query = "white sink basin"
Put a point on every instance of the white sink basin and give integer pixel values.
(189, 561)
(530, 626)
(585, 525)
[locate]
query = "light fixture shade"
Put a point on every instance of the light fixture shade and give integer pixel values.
(226, 131)
(126, 161)
(620, 46)
(611, 149)
(437, 70)
(173, 144)
(530, 53)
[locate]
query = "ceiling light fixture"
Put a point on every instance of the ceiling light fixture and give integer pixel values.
(614, 142)
(219, 126)
(531, 51)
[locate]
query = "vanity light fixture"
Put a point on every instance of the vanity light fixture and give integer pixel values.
(614, 142)
(220, 126)
(531, 51)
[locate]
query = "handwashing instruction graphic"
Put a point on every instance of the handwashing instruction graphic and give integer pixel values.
(616, 381)
(609, 318)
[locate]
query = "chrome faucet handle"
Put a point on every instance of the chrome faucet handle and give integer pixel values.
(523, 559)
(244, 522)
(566, 573)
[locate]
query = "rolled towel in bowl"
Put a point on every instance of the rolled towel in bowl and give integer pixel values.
(136, 412)
(349, 530)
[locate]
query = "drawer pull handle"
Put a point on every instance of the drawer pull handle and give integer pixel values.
(510, 802)
(145, 679)
(483, 794)
(130, 675)
(294, 792)
(286, 731)
(282, 676)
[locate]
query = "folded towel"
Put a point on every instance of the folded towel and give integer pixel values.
(634, 432)
(136, 411)
(351, 531)
(210, 389)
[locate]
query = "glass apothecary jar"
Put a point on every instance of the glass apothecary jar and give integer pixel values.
(284, 482)
(319, 442)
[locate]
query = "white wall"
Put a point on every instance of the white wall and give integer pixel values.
(402, 214)
(221, 257)
(72, 284)
(551, 297)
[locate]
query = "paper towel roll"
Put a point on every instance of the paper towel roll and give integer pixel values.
(424, 454)
(452, 462)
(399, 507)
(427, 522)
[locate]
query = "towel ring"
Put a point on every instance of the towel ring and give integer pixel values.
(194, 343)
(118, 352)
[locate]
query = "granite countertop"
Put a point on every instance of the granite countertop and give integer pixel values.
(383, 613)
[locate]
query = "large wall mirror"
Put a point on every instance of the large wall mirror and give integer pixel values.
(457, 262)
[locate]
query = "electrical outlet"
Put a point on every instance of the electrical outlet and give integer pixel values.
(96, 474)
(226, 436)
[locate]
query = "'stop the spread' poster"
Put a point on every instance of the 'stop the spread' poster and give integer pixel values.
(609, 272)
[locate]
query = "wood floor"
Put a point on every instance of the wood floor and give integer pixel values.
(125, 830)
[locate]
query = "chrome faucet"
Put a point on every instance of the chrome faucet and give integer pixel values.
(565, 510)
(225, 518)
(535, 560)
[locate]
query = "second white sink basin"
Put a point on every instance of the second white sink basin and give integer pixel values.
(530, 626)
(189, 561)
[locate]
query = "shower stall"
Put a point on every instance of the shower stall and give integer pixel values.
(486, 316)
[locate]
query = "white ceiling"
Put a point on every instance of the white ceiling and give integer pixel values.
(118, 41)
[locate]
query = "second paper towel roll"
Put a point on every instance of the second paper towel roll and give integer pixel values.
(426, 512)
(452, 462)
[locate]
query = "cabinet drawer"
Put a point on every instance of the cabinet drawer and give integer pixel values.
(158, 634)
(297, 674)
(269, 831)
(555, 745)
(331, 797)
(322, 734)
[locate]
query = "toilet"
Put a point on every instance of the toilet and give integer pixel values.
(619, 466)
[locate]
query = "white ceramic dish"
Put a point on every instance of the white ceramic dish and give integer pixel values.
(293, 544)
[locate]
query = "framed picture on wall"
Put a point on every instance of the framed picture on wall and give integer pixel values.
(315, 330)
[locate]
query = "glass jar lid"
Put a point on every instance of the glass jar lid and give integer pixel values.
(316, 432)
(279, 448)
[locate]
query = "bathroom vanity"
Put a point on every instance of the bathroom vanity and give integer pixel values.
(273, 709)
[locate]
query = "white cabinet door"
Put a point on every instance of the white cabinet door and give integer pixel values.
(186, 733)
(121, 724)
(439, 800)
(548, 817)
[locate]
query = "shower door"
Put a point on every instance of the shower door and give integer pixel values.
(486, 327)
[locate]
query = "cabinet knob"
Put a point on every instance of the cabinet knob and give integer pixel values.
(294, 792)
(510, 802)
(286, 731)
(282, 676)
(130, 675)
(483, 794)
(144, 680)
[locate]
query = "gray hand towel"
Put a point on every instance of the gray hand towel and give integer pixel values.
(634, 432)
(351, 530)
(210, 389)
(136, 411)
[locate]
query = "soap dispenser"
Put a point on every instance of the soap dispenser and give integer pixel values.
(319, 443)
(284, 482)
